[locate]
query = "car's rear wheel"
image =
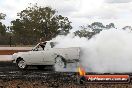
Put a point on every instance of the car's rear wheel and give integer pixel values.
(81, 80)
(21, 64)
(60, 62)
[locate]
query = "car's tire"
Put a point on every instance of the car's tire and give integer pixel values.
(21, 64)
(81, 80)
(60, 62)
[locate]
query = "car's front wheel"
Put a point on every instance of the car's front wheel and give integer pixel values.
(21, 64)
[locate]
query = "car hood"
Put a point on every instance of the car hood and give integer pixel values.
(19, 54)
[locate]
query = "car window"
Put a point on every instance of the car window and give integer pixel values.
(40, 47)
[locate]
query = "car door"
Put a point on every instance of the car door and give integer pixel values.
(48, 57)
(36, 57)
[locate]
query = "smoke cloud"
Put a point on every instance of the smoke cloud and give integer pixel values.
(108, 51)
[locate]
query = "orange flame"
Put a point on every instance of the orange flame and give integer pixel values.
(81, 71)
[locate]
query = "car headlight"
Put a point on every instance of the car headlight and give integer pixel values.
(14, 56)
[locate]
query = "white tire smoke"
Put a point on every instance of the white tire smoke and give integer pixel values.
(108, 51)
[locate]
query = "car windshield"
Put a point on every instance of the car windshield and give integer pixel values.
(40, 46)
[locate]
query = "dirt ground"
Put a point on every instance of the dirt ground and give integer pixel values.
(55, 84)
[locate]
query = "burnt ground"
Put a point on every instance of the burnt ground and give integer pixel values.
(11, 77)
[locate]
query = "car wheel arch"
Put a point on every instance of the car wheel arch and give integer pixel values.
(61, 57)
(64, 60)
(18, 59)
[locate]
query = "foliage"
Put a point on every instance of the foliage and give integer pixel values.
(2, 16)
(36, 22)
(91, 30)
(2, 29)
(2, 26)
(127, 28)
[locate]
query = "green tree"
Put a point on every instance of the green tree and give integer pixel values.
(111, 25)
(2, 26)
(2, 29)
(92, 29)
(127, 28)
(36, 22)
(97, 27)
(2, 16)
(84, 33)
(19, 32)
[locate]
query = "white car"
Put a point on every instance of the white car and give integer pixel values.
(44, 54)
